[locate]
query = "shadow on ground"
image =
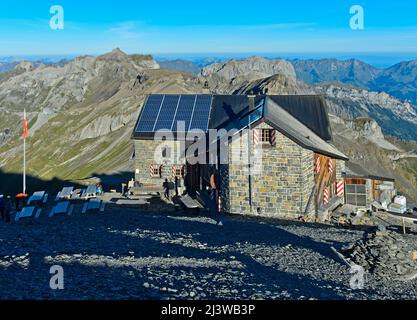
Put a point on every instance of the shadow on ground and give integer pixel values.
(12, 183)
(111, 256)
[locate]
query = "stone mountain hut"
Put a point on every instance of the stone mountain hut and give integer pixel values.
(292, 168)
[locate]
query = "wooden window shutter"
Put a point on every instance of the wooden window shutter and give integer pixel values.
(273, 138)
(152, 170)
(256, 137)
(331, 166)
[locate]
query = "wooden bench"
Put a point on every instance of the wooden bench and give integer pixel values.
(204, 199)
(62, 208)
(190, 204)
(90, 192)
(27, 212)
(64, 194)
(144, 190)
(38, 197)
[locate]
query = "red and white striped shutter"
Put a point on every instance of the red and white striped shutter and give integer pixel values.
(273, 137)
(326, 196)
(340, 188)
(255, 137)
(331, 166)
(152, 170)
(173, 171)
(318, 165)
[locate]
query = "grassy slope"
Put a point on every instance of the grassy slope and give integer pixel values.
(56, 152)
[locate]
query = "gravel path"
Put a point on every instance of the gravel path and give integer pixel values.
(133, 254)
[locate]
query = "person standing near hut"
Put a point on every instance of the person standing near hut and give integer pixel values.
(176, 184)
(214, 184)
(165, 185)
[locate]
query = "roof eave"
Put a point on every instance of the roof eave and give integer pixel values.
(303, 145)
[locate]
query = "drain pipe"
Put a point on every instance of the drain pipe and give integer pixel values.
(251, 98)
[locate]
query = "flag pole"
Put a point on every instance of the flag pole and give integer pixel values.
(24, 151)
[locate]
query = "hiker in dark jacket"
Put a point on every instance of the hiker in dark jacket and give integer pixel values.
(176, 183)
(165, 185)
(214, 185)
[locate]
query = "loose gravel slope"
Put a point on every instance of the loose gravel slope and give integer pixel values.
(138, 254)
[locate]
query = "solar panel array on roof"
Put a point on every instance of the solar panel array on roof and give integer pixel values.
(201, 113)
(166, 111)
(184, 112)
(148, 116)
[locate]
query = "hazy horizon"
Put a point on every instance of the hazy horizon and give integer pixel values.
(376, 59)
(164, 28)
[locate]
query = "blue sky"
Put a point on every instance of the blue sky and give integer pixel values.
(212, 26)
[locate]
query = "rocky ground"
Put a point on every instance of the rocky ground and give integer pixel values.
(387, 254)
(140, 254)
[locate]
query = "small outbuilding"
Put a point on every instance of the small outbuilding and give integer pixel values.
(363, 188)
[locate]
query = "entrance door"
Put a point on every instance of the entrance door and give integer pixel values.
(192, 179)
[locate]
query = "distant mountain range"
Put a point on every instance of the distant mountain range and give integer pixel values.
(399, 80)
(9, 63)
(81, 112)
(180, 65)
(191, 66)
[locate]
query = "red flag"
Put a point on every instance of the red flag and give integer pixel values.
(25, 126)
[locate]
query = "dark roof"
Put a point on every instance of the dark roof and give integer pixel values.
(354, 170)
(301, 118)
(309, 110)
(294, 129)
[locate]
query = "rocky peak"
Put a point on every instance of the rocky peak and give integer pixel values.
(251, 68)
(366, 127)
(115, 54)
(24, 66)
(351, 71)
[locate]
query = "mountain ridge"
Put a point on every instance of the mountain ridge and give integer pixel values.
(81, 114)
(399, 80)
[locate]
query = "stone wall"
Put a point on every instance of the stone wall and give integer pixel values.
(340, 169)
(225, 186)
(307, 180)
(150, 151)
(283, 185)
